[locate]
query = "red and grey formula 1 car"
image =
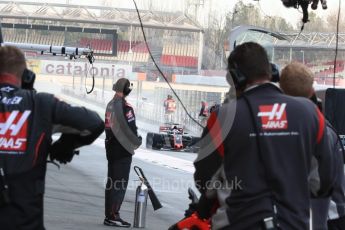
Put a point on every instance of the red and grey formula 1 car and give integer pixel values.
(171, 136)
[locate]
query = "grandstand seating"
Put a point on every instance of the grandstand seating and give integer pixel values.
(173, 54)
(182, 61)
(104, 46)
(181, 55)
(329, 81)
(324, 73)
(98, 45)
(180, 49)
(53, 38)
(138, 47)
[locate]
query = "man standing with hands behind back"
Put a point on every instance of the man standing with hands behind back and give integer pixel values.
(121, 141)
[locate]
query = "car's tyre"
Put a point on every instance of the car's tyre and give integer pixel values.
(157, 141)
(149, 140)
(194, 145)
(195, 140)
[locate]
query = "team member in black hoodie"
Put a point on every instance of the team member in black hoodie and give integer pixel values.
(266, 155)
(121, 141)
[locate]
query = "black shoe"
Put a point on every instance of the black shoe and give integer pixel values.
(116, 222)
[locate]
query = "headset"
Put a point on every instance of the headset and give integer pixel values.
(128, 88)
(28, 79)
(240, 80)
(123, 85)
(275, 72)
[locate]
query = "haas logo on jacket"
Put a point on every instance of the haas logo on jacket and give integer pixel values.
(273, 117)
(13, 130)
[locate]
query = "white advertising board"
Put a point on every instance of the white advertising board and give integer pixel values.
(84, 68)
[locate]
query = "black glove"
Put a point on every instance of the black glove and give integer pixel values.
(63, 149)
(138, 142)
(193, 207)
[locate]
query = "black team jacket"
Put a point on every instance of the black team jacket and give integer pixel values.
(26, 125)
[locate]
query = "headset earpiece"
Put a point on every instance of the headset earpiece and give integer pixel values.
(28, 79)
(123, 85)
(238, 77)
(275, 73)
(128, 88)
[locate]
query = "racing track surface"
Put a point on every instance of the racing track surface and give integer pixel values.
(74, 196)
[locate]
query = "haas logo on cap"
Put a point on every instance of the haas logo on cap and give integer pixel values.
(273, 117)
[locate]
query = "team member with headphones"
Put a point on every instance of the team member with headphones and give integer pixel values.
(121, 140)
(266, 155)
(27, 121)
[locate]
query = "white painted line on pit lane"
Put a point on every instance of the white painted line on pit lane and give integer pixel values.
(157, 158)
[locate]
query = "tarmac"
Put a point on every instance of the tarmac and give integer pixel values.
(74, 197)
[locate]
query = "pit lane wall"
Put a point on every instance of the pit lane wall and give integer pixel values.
(147, 97)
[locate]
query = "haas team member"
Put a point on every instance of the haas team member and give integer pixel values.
(121, 141)
(297, 80)
(266, 155)
(204, 109)
(26, 122)
(204, 113)
(170, 108)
